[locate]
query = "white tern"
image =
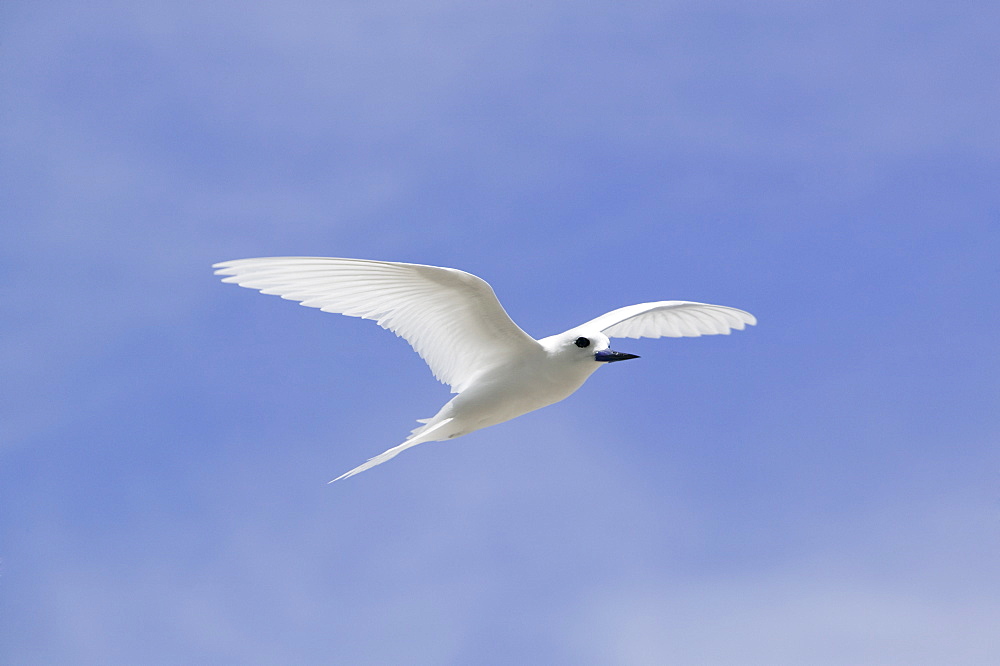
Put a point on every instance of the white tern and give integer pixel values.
(455, 322)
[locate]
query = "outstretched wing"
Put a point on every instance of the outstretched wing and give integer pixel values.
(450, 317)
(672, 319)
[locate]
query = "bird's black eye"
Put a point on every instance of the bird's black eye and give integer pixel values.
(582, 342)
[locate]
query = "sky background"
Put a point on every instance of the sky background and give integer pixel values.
(819, 489)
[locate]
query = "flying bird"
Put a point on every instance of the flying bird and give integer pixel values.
(455, 322)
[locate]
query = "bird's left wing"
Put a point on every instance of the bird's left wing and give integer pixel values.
(450, 317)
(673, 319)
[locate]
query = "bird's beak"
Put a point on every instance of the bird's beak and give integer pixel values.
(610, 356)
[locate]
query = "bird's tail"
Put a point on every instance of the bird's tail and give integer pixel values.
(424, 436)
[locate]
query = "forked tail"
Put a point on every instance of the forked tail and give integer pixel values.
(424, 436)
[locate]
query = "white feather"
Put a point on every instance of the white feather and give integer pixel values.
(450, 317)
(672, 319)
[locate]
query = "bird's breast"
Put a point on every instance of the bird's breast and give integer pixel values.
(506, 392)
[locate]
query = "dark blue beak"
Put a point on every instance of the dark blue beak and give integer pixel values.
(610, 356)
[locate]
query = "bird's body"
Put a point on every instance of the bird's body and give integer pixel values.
(454, 321)
(508, 391)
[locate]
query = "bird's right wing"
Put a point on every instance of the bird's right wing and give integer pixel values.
(450, 317)
(673, 319)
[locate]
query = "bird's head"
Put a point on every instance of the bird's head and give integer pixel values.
(585, 346)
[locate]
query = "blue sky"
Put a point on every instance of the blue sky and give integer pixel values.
(820, 489)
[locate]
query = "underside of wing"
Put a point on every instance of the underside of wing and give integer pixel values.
(450, 317)
(672, 319)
